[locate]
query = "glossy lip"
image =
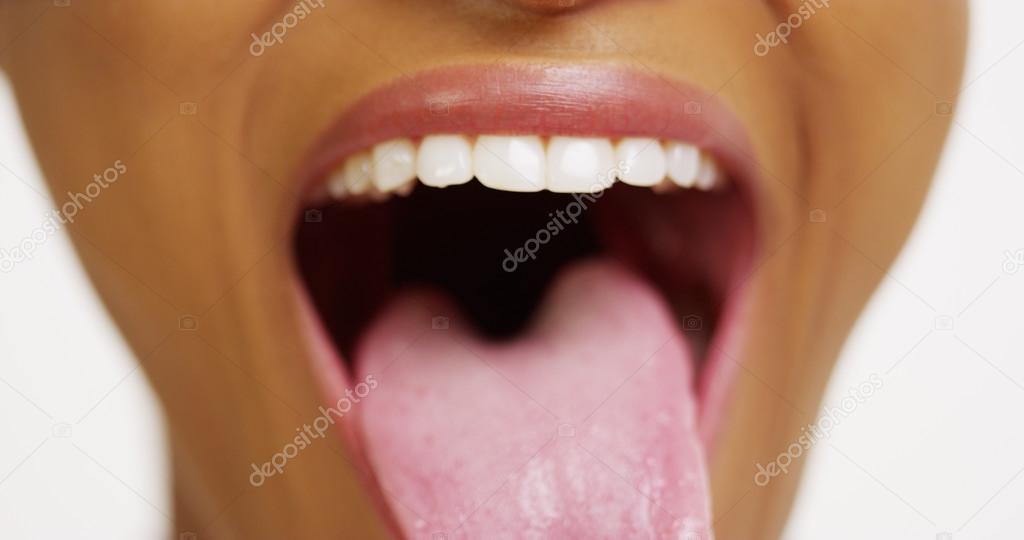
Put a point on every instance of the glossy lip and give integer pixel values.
(545, 100)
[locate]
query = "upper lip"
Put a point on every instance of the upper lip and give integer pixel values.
(536, 99)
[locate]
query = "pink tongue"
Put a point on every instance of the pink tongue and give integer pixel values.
(584, 428)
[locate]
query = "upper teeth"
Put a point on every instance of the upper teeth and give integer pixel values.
(523, 163)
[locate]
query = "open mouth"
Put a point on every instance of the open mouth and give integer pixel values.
(538, 269)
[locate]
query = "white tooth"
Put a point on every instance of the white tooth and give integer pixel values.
(394, 164)
(709, 176)
(643, 160)
(578, 165)
(335, 186)
(444, 160)
(683, 163)
(509, 163)
(358, 173)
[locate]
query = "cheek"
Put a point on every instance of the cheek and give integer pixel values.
(187, 47)
(870, 87)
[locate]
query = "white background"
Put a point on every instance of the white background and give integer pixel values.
(939, 449)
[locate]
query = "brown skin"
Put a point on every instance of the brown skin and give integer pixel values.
(843, 119)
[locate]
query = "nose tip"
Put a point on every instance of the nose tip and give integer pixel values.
(548, 6)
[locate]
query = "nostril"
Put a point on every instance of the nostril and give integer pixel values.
(548, 6)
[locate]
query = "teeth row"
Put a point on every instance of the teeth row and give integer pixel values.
(523, 164)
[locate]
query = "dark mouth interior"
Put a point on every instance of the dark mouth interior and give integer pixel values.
(353, 256)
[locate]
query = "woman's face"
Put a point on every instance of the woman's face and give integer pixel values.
(674, 366)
